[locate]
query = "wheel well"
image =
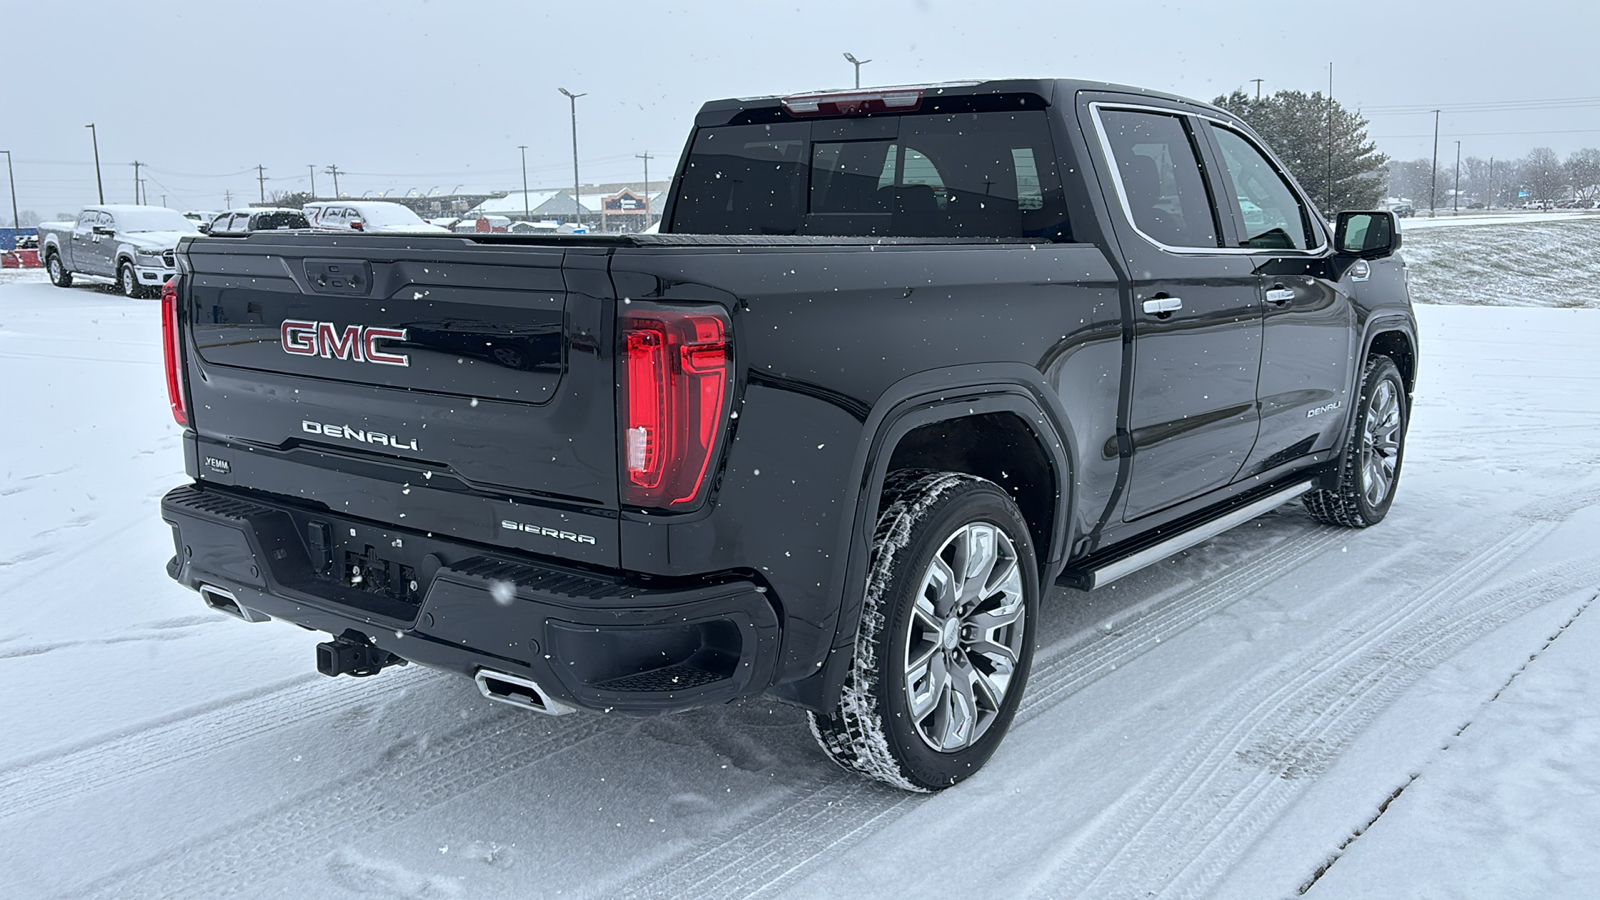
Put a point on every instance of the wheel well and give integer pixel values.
(1000, 447)
(1396, 346)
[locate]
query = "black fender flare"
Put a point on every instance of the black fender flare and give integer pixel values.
(926, 398)
(1379, 322)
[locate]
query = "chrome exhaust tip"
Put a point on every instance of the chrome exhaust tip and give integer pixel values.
(518, 692)
(224, 601)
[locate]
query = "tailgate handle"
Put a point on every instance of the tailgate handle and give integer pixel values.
(339, 276)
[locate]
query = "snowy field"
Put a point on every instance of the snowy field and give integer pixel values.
(1406, 711)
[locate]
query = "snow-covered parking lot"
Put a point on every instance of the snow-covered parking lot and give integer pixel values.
(1412, 710)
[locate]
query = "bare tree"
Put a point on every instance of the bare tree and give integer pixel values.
(1543, 175)
(1583, 173)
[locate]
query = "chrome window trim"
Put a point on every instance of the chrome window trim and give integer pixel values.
(1095, 106)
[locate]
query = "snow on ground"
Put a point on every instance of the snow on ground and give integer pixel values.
(1228, 723)
(1528, 259)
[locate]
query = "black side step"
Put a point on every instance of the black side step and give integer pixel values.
(1105, 567)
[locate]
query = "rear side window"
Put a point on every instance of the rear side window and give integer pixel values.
(984, 174)
(1159, 174)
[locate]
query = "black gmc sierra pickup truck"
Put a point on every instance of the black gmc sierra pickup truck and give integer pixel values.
(899, 361)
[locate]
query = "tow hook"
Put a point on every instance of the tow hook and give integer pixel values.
(352, 653)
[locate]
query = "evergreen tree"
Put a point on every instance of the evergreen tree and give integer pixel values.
(1298, 126)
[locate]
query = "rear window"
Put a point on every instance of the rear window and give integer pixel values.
(969, 174)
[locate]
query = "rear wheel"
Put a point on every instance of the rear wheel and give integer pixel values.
(59, 276)
(1369, 468)
(945, 642)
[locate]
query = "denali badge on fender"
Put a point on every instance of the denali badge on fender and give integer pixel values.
(1313, 413)
(345, 432)
(358, 343)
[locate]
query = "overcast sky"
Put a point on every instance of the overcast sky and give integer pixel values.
(415, 95)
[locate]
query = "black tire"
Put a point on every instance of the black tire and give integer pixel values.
(956, 657)
(59, 276)
(128, 281)
(1368, 470)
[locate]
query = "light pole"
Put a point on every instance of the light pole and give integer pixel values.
(98, 183)
(313, 171)
(858, 63)
(1458, 178)
(647, 214)
(526, 214)
(1433, 185)
(576, 205)
(16, 222)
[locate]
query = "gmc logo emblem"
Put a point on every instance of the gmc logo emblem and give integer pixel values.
(358, 343)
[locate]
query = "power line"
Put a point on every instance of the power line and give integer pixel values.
(1482, 106)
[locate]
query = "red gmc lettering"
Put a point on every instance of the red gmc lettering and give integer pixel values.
(356, 343)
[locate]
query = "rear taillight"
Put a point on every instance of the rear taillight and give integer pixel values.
(677, 377)
(169, 351)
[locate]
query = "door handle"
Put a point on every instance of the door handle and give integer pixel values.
(1280, 295)
(1163, 306)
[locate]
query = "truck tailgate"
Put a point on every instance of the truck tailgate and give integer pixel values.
(471, 395)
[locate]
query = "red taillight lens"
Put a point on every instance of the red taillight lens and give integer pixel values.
(169, 351)
(677, 375)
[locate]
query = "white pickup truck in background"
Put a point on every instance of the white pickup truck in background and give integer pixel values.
(131, 244)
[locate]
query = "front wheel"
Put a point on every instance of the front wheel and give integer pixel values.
(128, 281)
(1369, 468)
(59, 276)
(946, 636)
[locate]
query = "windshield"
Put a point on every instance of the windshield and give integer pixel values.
(388, 214)
(154, 220)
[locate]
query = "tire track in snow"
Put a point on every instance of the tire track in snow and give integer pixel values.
(746, 859)
(1177, 834)
(408, 780)
(63, 775)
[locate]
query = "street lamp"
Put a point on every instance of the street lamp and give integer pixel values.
(99, 184)
(858, 63)
(1458, 178)
(16, 223)
(526, 215)
(576, 205)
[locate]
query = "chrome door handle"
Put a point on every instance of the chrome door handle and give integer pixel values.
(1163, 305)
(1280, 295)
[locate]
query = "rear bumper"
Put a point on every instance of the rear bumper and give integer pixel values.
(589, 640)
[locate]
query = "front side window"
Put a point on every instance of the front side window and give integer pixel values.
(1270, 213)
(1159, 172)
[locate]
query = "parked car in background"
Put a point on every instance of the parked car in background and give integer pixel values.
(371, 216)
(132, 244)
(248, 221)
(200, 216)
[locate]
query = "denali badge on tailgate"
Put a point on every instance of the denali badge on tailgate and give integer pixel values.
(353, 342)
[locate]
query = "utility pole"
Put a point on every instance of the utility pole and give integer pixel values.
(1433, 187)
(526, 214)
(1494, 189)
(576, 205)
(313, 171)
(1458, 178)
(334, 171)
(227, 199)
(1329, 140)
(136, 165)
(16, 222)
(647, 214)
(1258, 88)
(99, 184)
(858, 63)
(261, 181)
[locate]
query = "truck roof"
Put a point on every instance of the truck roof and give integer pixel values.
(719, 112)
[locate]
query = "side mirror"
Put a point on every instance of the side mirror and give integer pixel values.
(1367, 235)
(105, 230)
